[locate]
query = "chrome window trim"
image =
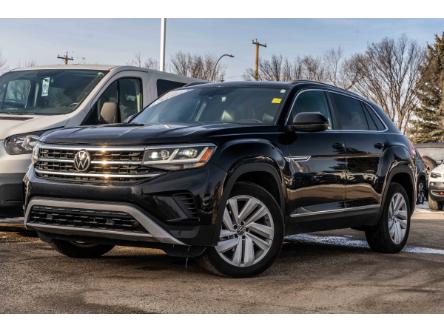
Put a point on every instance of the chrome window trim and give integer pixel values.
(333, 211)
(346, 95)
(152, 228)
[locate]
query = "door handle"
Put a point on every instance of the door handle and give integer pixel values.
(379, 145)
(339, 146)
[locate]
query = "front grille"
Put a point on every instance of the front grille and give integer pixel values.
(84, 218)
(106, 164)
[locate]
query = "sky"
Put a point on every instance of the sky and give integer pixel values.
(117, 41)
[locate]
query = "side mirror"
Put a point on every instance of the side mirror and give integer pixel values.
(109, 113)
(309, 122)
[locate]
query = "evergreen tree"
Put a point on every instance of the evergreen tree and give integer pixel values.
(429, 123)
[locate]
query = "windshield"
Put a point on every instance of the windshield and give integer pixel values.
(220, 104)
(46, 91)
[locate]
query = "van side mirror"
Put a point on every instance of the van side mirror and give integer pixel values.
(109, 113)
(309, 122)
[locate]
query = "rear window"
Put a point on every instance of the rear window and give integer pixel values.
(350, 113)
(374, 123)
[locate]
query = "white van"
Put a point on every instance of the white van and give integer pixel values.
(38, 99)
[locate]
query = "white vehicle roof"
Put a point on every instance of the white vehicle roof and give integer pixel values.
(111, 68)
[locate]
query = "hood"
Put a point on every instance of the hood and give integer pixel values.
(439, 168)
(133, 134)
(17, 124)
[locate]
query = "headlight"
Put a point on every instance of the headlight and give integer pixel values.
(22, 143)
(35, 153)
(435, 175)
(177, 157)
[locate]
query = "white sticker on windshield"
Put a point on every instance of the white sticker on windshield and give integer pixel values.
(45, 86)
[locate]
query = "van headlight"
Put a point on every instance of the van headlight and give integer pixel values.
(35, 153)
(177, 157)
(21, 143)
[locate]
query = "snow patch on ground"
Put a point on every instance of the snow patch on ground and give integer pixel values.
(348, 241)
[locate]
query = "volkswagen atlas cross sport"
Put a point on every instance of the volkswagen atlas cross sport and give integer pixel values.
(224, 172)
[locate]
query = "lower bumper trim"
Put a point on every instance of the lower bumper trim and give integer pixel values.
(154, 231)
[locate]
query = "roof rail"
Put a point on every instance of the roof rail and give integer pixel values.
(331, 86)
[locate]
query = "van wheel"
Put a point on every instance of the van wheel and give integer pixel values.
(421, 192)
(251, 233)
(391, 233)
(433, 204)
(80, 249)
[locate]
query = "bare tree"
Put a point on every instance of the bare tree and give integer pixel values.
(197, 66)
(2, 62)
(387, 73)
(139, 61)
(30, 63)
(328, 68)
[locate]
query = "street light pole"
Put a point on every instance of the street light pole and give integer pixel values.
(162, 43)
(213, 75)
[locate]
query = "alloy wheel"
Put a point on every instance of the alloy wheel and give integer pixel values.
(247, 231)
(397, 218)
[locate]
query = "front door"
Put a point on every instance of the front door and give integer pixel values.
(316, 169)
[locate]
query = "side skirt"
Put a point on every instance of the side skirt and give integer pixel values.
(351, 217)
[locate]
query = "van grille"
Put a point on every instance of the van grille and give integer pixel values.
(106, 164)
(84, 218)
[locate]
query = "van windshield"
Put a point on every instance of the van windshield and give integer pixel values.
(51, 92)
(216, 104)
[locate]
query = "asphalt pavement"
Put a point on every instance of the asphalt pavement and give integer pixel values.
(329, 272)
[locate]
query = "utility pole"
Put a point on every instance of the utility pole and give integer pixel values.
(162, 43)
(258, 45)
(65, 58)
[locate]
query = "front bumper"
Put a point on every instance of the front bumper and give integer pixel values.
(156, 204)
(11, 189)
(436, 190)
(12, 171)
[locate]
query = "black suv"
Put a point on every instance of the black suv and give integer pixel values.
(224, 172)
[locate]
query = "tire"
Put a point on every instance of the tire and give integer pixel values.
(421, 192)
(433, 204)
(80, 250)
(238, 253)
(388, 236)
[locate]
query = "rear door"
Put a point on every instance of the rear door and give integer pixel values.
(364, 144)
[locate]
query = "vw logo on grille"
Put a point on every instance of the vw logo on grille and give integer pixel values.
(82, 160)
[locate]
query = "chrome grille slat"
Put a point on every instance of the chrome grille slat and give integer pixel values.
(107, 164)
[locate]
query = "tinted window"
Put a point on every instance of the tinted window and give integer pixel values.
(163, 86)
(349, 113)
(219, 104)
(126, 93)
(312, 101)
(374, 122)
